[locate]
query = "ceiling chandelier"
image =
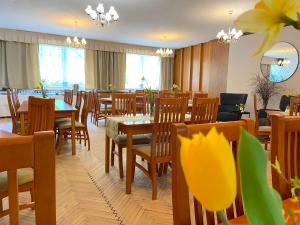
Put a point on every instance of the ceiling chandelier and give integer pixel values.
(164, 52)
(231, 36)
(100, 16)
(75, 41)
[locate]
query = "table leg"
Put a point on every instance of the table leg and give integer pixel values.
(129, 163)
(107, 147)
(73, 133)
(22, 120)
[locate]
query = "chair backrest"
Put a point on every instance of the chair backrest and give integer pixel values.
(255, 112)
(180, 192)
(183, 95)
(68, 96)
(12, 110)
(87, 101)
(284, 102)
(37, 152)
(40, 114)
(167, 112)
(200, 95)
(295, 106)
(139, 92)
(165, 94)
(123, 104)
(15, 99)
(205, 110)
(285, 146)
(78, 104)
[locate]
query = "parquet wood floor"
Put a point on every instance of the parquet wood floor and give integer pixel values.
(87, 196)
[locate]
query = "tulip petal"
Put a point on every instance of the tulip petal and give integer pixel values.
(254, 21)
(291, 8)
(269, 40)
(208, 162)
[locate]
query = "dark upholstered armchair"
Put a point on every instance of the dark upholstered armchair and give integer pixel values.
(229, 109)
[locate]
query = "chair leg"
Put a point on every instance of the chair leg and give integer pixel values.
(59, 143)
(32, 194)
(112, 154)
(1, 206)
(154, 182)
(160, 169)
(165, 170)
(266, 146)
(120, 158)
(88, 139)
(133, 167)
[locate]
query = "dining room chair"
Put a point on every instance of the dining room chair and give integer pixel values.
(140, 101)
(15, 99)
(64, 129)
(41, 114)
(68, 96)
(263, 133)
(285, 147)
(185, 206)
(101, 111)
(200, 95)
(295, 106)
(183, 95)
(204, 110)
(16, 127)
(124, 104)
(165, 94)
(159, 151)
(27, 164)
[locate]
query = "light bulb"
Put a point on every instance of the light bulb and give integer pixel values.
(100, 8)
(69, 41)
(94, 15)
(75, 39)
(83, 41)
(108, 17)
(116, 16)
(88, 9)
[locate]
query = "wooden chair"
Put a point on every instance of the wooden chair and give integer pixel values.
(295, 107)
(204, 110)
(285, 146)
(68, 96)
(78, 104)
(140, 101)
(180, 192)
(165, 94)
(263, 133)
(81, 128)
(100, 111)
(183, 95)
(15, 99)
(41, 114)
(200, 95)
(167, 112)
(124, 104)
(37, 153)
(16, 127)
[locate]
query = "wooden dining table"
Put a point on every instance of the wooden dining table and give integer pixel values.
(129, 125)
(62, 110)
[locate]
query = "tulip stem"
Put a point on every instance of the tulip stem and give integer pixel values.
(222, 216)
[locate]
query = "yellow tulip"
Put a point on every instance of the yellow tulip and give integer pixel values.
(209, 169)
(269, 16)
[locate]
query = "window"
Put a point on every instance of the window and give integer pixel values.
(62, 66)
(138, 66)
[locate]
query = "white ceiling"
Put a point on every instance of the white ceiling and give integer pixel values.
(142, 22)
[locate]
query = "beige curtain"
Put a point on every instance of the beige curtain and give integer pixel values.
(167, 65)
(19, 65)
(109, 69)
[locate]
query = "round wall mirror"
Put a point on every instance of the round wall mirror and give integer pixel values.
(280, 62)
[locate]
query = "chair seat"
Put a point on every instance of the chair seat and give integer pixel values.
(24, 176)
(136, 139)
(68, 125)
(264, 128)
(143, 149)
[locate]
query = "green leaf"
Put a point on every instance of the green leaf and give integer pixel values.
(276, 166)
(262, 203)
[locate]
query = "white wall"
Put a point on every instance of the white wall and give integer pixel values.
(243, 66)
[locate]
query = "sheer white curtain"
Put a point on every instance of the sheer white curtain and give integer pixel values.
(138, 66)
(62, 66)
